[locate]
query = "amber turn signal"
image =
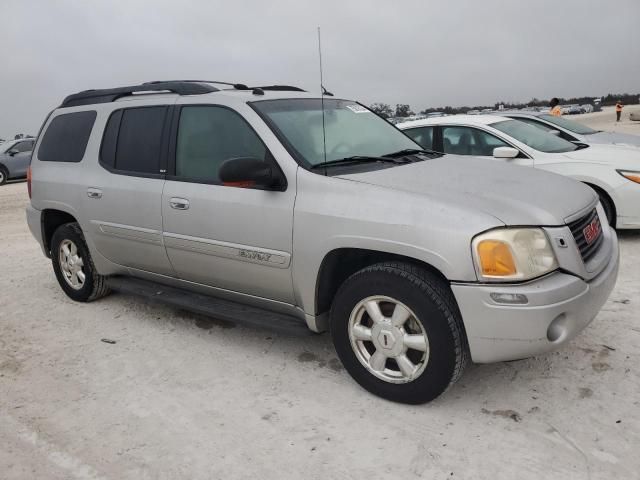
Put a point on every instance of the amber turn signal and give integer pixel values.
(633, 176)
(496, 259)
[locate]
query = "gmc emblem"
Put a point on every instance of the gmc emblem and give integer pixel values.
(591, 231)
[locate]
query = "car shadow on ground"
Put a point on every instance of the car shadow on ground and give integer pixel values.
(316, 351)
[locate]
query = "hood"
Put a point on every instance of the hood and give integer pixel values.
(624, 139)
(514, 195)
(617, 156)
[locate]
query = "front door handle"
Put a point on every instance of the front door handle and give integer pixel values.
(179, 203)
(94, 193)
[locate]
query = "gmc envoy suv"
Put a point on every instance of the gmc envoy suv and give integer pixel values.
(272, 206)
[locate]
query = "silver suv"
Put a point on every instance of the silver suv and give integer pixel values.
(275, 207)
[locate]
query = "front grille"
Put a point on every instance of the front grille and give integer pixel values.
(587, 250)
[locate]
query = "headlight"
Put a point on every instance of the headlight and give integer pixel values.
(630, 175)
(513, 254)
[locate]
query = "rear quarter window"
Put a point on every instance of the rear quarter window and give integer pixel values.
(66, 138)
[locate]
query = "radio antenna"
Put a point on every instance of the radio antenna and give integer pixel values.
(322, 90)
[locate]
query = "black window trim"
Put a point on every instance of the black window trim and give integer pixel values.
(172, 148)
(161, 175)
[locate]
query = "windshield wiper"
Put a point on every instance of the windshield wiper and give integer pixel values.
(355, 160)
(412, 151)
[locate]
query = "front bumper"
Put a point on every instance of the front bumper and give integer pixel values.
(559, 306)
(627, 200)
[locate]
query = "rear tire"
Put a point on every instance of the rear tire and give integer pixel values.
(4, 175)
(415, 362)
(73, 265)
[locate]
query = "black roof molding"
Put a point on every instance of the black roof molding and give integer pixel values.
(89, 97)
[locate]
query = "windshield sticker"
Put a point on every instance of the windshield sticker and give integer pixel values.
(357, 108)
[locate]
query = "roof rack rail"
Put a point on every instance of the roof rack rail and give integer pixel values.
(88, 97)
(237, 86)
(242, 86)
(181, 87)
(273, 88)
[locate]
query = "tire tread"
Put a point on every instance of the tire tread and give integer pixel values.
(439, 292)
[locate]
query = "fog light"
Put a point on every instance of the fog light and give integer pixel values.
(509, 298)
(557, 330)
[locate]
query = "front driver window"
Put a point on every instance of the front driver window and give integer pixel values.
(469, 141)
(207, 137)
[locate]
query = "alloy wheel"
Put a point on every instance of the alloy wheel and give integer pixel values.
(388, 339)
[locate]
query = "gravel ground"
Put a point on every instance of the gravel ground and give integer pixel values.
(183, 396)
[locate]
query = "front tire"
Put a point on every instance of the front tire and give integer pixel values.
(4, 176)
(398, 332)
(73, 265)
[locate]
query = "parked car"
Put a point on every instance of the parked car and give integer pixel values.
(634, 116)
(612, 171)
(586, 108)
(572, 110)
(573, 131)
(275, 207)
(14, 159)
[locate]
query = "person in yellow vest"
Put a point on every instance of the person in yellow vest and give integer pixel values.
(618, 110)
(556, 111)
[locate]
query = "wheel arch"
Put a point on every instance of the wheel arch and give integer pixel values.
(602, 192)
(340, 263)
(50, 220)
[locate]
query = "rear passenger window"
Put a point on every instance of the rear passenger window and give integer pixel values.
(66, 137)
(139, 139)
(423, 136)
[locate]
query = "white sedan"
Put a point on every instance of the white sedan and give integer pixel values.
(613, 171)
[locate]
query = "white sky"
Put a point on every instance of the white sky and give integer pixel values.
(425, 53)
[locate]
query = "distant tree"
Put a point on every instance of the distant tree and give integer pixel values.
(382, 109)
(403, 110)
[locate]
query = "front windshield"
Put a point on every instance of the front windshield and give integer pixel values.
(6, 146)
(535, 138)
(570, 125)
(350, 129)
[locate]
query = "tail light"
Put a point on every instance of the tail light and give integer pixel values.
(29, 181)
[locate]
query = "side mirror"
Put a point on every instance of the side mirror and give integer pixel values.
(505, 152)
(555, 132)
(248, 172)
(13, 151)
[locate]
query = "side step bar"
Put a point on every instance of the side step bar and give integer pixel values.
(210, 306)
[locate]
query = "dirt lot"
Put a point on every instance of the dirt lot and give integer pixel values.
(182, 396)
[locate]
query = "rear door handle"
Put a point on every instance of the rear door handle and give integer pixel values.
(179, 203)
(94, 193)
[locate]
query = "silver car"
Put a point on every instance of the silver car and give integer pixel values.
(573, 131)
(14, 158)
(274, 207)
